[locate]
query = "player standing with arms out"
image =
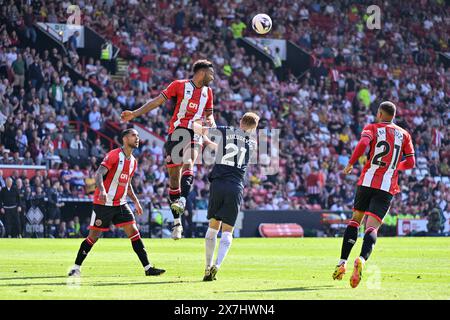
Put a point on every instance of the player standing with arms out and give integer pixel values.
(194, 100)
(233, 154)
(113, 181)
(377, 184)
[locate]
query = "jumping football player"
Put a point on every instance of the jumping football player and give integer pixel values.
(113, 184)
(377, 184)
(194, 101)
(233, 153)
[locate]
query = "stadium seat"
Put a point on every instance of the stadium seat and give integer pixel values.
(280, 230)
(84, 154)
(68, 136)
(52, 173)
(74, 153)
(64, 154)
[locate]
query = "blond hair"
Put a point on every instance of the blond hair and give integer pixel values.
(250, 120)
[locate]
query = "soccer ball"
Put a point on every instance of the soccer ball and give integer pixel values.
(262, 23)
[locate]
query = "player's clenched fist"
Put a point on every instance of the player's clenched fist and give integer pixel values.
(348, 169)
(127, 115)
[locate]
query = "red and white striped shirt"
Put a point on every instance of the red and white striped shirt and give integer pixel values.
(120, 171)
(191, 103)
(388, 143)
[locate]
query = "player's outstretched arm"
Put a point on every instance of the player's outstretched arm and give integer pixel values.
(101, 171)
(129, 115)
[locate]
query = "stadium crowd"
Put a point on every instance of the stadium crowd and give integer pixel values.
(320, 115)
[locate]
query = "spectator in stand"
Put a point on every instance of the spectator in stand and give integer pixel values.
(97, 149)
(85, 141)
(18, 69)
(72, 42)
(77, 177)
(29, 18)
(76, 143)
(95, 118)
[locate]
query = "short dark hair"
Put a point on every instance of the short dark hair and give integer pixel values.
(388, 107)
(124, 133)
(201, 64)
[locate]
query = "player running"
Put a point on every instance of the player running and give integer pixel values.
(233, 153)
(113, 181)
(194, 101)
(377, 184)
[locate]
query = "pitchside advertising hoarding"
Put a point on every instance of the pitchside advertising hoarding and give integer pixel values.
(408, 226)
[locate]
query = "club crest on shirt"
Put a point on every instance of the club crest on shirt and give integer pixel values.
(98, 222)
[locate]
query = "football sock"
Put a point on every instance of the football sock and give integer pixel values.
(186, 182)
(210, 245)
(85, 247)
(176, 221)
(224, 246)
(370, 238)
(138, 247)
(174, 194)
(350, 237)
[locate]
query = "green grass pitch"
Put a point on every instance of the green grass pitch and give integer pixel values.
(255, 268)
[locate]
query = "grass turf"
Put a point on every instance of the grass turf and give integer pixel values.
(399, 268)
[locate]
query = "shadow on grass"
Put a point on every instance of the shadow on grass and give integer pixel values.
(103, 284)
(31, 278)
(283, 289)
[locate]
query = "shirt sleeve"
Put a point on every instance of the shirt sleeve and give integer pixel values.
(408, 148)
(368, 132)
(209, 103)
(110, 160)
(135, 168)
(171, 90)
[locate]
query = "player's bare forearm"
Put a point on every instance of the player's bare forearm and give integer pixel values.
(149, 106)
(209, 118)
(131, 194)
(99, 178)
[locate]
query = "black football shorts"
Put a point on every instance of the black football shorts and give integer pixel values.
(103, 216)
(180, 138)
(373, 202)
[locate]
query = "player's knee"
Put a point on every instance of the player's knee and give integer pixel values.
(227, 238)
(353, 223)
(370, 230)
(211, 234)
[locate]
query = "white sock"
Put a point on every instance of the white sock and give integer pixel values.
(224, 246)
(210, 245)
(147, 267)
(176, 221)
(341, 261)
(76, 267)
